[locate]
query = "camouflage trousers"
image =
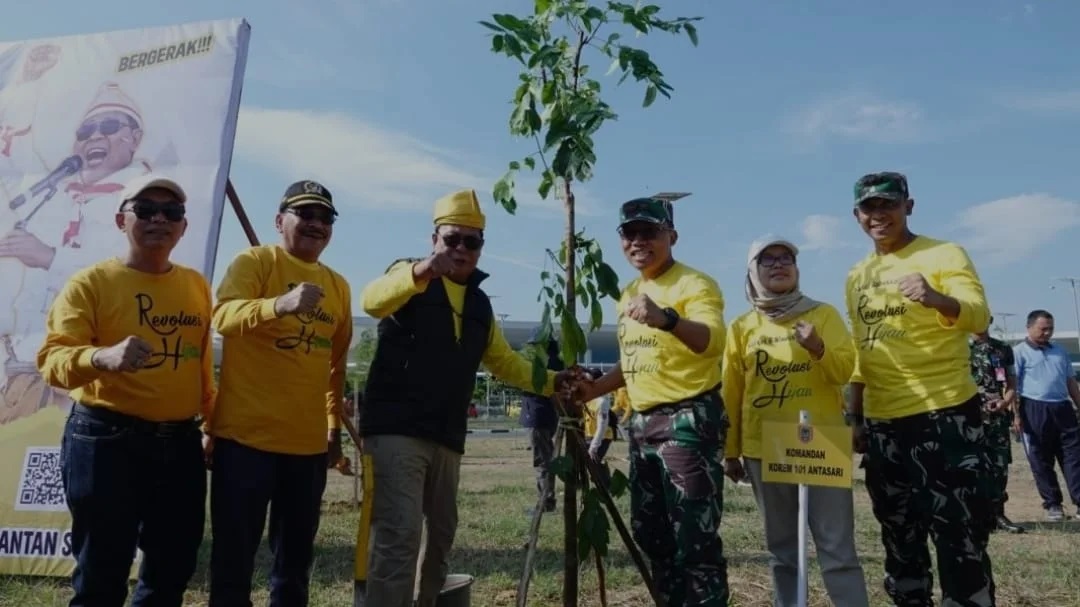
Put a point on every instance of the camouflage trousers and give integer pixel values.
(677, 498)
(929, 474)
(998, 430)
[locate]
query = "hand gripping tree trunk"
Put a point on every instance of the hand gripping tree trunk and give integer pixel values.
(559, 108)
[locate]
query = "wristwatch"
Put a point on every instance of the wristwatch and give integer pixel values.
(672, 320)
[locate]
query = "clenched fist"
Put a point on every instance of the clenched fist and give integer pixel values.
(435, 266)
(302, 299)
(807, 337)
(915, 288)
(645, 311)
(130, 354)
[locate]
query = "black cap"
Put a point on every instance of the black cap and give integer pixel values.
(303, 193)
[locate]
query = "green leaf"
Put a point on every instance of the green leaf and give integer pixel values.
(529, 162)
(607, 281)
(509, 22)
(541, 6)
(515, 165)
(545, 185)
(539, 371)
(596, 314)
(491, 26)
(497, 43)
(560, 467)
(691, 31)
(650, 96)
(573, 339)
(619, 484)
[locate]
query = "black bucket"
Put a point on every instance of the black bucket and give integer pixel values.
(456, 592)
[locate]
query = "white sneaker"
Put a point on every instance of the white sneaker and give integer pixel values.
(1054, 514)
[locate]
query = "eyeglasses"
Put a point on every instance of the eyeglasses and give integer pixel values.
(108, 126)
(642, 232)
(309, 213)
(768, 261)
(453, 241)
(149, 209)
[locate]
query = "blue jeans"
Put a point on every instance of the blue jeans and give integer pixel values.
(245, 483)
(131, 483)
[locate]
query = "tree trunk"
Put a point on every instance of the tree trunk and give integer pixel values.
(570, 497)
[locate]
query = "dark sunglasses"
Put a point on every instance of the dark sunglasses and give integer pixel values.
(879, 204)
(108, 126)
(149, 209)
(784, 259)
(312, 214)
(453, 241)
(643, 232)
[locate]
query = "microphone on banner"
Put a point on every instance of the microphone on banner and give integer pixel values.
(67, 168)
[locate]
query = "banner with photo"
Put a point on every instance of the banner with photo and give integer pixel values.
(79, 117)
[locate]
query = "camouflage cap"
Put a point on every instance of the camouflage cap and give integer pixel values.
(887, 185)
(650, 210)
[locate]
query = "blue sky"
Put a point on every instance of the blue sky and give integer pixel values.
(782, 106)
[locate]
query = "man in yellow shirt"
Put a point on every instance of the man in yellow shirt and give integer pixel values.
(286, 320)
(671, 339)
(129, 337)
(915, 406)
(436, 327)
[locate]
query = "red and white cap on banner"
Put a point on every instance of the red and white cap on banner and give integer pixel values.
(111, 99)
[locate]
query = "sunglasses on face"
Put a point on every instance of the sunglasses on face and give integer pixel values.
(108, 126)
(769, 261)
(471, 243)
(312, 214)
(149, 209)
(879, 204)
(644, 232)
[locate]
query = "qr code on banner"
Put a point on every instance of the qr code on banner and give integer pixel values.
(40, 486)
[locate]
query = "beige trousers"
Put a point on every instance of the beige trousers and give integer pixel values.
(414, 508)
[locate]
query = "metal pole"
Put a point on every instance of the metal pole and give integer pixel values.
(1004, 321)
(1073, 282)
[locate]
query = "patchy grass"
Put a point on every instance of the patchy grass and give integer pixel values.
(1037, 568)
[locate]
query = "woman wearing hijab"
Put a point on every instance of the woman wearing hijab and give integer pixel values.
(790, 353)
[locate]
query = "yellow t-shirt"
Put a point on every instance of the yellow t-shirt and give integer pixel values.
(281, 378)
(910, 358)
(105, 303)
(768, 376)
(387, 293)
(657, 367)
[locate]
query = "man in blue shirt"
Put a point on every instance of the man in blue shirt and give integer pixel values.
(1047, 416)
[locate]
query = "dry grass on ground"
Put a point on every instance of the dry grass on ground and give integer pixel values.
(1040, 568)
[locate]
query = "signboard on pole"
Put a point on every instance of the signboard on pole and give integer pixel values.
(79, 117)
(807, 454)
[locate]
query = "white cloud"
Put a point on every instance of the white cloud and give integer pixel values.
(858, 117)
(822, 232)
(1009, 229)
(370, 166)
(1043, 102)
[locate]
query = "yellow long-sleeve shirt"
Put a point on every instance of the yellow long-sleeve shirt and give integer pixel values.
(911, 358)
(281, 378)
(105, 303)
(387, 293)
(657, 367)
(768, 376)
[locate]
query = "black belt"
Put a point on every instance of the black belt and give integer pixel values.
(131, 422)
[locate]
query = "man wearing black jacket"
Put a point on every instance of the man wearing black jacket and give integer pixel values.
(436, 327)
(538, 414)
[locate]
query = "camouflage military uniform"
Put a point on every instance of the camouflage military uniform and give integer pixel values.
(987, 358)
(677, 498)
(909, 462)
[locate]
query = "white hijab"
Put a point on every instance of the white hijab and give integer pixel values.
(778, 307)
